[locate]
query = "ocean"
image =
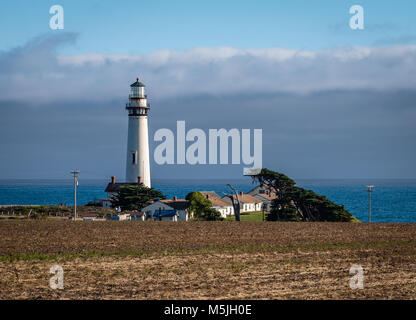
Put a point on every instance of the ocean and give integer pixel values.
(392, 200)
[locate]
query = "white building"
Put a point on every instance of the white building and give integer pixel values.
(88, 216)
(264, 193)
(137, 160)
(137, 163)
(120, 217)
(248, 203)
(138, 216)
(225, 208)
(168, 210)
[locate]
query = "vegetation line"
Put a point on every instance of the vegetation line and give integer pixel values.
(230, 249)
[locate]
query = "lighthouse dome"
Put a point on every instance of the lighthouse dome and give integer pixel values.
(137, 83)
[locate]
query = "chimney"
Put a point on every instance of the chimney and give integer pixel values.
(241, 193)
(113, 179)
(139, 180)
(175, 198)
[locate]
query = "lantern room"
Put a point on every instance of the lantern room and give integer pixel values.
(137, 90)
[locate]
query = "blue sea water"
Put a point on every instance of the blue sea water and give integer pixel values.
(392, 200)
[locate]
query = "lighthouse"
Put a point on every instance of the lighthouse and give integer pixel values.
(137, 165)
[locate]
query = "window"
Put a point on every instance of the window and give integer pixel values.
(134, 157)
(135, 91)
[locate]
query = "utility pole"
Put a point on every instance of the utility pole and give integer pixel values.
(75, 174)
(369, 190)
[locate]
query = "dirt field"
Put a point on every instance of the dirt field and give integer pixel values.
(201, 260)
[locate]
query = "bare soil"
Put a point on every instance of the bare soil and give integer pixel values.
(206, 260)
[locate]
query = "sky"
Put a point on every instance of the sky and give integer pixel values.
(332, 102)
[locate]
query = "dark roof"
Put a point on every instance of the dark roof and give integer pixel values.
(113, 187)
(180, 204)
(137, 84)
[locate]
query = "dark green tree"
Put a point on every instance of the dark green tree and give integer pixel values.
(297, 204)
(201, 207)
(133, 197)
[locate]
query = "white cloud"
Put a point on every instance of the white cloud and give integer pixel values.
(36, 72)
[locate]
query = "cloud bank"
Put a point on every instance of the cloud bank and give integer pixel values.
(35, 71)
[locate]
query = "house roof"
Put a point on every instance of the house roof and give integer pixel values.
(244, 198)
(265, 196)
(215, 199)
(89, 215)
(179, 204)
(114, 187)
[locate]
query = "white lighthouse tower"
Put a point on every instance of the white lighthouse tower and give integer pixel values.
(138, 166)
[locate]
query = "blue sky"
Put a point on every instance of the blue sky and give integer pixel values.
(145, 26)
(332, 102)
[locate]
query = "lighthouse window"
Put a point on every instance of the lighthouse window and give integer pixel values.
(135, 92)
(134, 157)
